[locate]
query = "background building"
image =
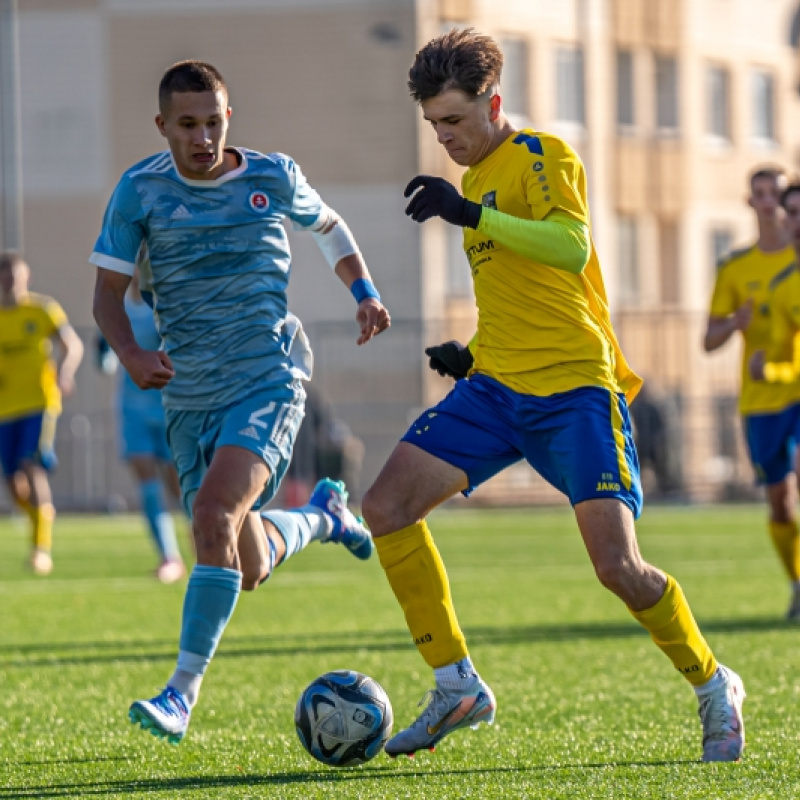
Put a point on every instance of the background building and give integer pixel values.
(669, 102)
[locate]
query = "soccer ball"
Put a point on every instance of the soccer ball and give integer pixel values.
(343, 718)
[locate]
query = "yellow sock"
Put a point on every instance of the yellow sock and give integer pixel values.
(43, 527)
(25, 506)
(786, 538)
(674, 630)
(418, 578)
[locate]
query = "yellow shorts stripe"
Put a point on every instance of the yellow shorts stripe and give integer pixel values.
(619, 441)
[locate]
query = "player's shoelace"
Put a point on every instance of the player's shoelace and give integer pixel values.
(172, 704)
(438, 707)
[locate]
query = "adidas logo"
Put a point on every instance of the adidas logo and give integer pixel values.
(181, 212)
(250, 431)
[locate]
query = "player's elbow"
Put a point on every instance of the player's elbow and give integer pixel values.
(575, 256)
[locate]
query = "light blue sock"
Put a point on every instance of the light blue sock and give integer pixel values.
(162, 526)
(299, 527)
(211, 596)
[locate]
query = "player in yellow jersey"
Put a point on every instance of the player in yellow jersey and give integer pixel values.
(31, 383)
(770, 412)
(549, 384)
(775, 366)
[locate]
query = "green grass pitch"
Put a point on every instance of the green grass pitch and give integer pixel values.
(588, 707)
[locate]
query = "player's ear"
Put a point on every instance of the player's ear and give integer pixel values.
(494, 107)
(160, 124)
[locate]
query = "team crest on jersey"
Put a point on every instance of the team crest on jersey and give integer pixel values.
(259, 201)
(489, 199)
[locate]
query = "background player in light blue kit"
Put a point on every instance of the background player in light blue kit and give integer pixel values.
(142, 429)
(234, 358)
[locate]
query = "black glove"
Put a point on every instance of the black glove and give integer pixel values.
(438, 198)
(451, 359)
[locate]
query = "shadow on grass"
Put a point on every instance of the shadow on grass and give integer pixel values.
(88, 652)
(206, 782)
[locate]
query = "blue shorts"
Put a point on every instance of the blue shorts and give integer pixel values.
(143, 433)
(580, 441)
(772, 441)
(265, 423)
(47, 442)
(19, 441)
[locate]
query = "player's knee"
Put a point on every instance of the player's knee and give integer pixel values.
(213, 527)
(376, 512)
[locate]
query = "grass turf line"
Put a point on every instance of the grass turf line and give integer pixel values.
(588, 707)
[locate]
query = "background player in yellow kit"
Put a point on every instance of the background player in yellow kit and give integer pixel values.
(770, 412)
(548, 384)
(31, 383)
(777, 367)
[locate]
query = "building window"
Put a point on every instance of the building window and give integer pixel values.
(763, 86)
(718, 82)
(666, 93)
(514, 88)
(721, 244)
(570, 90)
(459, 279)
(625, 114)
(669, 258)
(629, 288)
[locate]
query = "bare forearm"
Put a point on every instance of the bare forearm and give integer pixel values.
(719, 330)
(351, 268)
(72, 349)
(109, 313)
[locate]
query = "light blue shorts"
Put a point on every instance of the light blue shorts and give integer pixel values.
(265, 423)
(143, 432)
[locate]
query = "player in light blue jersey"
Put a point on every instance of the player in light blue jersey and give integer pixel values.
(142, 429)
(233, 357)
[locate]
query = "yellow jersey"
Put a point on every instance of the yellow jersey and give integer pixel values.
(541, 330)
(745, 274)
(28, 381)
(783, 353)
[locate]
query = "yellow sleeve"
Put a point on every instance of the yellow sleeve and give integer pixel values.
(782, 330)
(55, 314)
(556, 180)
(725, 299)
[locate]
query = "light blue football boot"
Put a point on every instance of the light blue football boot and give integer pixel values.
(165, 716)
(331, 497)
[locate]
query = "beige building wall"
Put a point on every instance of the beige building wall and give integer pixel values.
(325, 81)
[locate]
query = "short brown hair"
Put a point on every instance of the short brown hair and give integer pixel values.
(792, 188)
(770, 171)
(460, 59)
(189, 76)
(10, 259)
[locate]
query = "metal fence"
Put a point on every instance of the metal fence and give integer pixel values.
(687, 427)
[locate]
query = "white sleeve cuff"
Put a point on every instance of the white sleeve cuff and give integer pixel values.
(111, 263)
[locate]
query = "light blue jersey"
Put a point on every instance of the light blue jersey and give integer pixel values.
(219, 268)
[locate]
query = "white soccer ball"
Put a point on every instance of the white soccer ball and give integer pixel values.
(343, 718)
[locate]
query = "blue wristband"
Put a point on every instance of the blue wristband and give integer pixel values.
(362, 287)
